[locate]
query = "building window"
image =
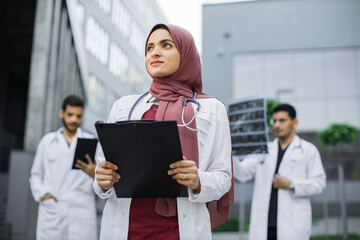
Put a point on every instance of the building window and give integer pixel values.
(111, 98)
(120, 17)
(97, 40)
(151, 17)
(119, 62)
(137, 38)
(139, 81)
(80, 13)
(105, 5)
(135, 76)
(97, 95)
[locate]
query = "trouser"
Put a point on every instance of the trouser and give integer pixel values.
(271, 234)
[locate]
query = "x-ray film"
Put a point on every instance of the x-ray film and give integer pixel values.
(248, 126)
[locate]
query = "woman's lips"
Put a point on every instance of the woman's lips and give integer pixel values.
(156, 63)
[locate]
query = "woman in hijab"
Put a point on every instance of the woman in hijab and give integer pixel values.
(173, 63)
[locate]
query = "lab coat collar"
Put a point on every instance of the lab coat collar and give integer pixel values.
(152, 99)
(142, 106)
(294, 143)
(59, 134)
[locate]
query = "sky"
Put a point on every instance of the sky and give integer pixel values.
(187, 14)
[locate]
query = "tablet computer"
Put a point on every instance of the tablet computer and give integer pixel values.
(84, 146)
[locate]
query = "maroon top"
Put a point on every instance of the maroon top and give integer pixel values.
(144, 222)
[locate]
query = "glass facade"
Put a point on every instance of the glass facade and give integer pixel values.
(97, 91)
(137, 38)
(121, 18)
(119, 61)
(97, 40)
(114, 34)
(104, 5)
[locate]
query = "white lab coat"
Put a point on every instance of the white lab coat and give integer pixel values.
(301, 164)
(73, 216)
(214, 172)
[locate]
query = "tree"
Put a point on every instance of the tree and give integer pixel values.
(331, 136)
(336, 133)
(270, 105)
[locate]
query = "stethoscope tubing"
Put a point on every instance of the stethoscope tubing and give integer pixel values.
(193, 100)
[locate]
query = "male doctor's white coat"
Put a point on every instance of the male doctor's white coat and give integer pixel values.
(73, 216)
(302, 165)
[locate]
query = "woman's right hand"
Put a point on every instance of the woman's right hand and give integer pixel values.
(106, 175)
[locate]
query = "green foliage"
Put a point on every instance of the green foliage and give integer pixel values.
(337, 133)
(270, 105)
(232, 225)
(316, 220)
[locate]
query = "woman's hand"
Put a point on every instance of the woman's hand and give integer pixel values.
(185, 172)
(106, 175)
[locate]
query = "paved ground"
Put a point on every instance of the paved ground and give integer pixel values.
(334, 227)
(230, 236)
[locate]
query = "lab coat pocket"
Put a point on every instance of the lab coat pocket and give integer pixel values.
(51, 222)
(302, 219)
(82, 213)
(48, 211)
(52, 154)
(296, 168)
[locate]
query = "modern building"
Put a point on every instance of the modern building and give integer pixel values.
(49, 49)
(113, 34)
(304, 52)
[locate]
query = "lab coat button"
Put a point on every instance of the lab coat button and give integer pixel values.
(184, 215)
(123, 213)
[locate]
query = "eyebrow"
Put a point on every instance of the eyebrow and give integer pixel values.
(162, 41)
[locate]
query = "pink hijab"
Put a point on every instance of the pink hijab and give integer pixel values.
(172, 91)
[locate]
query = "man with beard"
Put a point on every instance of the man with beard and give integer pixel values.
(284, 182)
(65, 195)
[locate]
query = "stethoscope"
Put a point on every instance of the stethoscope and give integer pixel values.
(193, 100)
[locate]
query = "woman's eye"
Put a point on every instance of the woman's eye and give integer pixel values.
(149, 48)
(167, 45)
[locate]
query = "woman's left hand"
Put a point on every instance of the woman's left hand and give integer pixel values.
(185, 172)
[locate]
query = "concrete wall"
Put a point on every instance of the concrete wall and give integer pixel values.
(21, 209)
(328, 198)
(268, 26)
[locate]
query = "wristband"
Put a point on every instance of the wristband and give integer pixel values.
(292, 187)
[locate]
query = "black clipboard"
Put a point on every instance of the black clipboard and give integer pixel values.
(84, 146)
(143, 151)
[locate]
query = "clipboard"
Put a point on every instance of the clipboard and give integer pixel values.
(84, 146)
(143, 151)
